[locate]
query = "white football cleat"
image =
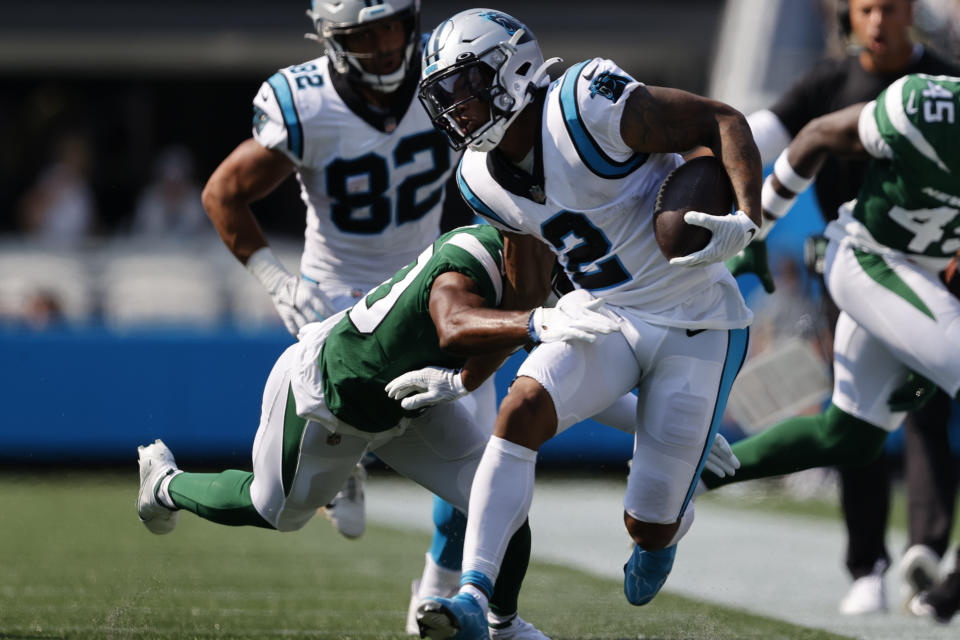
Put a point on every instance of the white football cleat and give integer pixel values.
(156, 463)
(347, 511)
(919, 570)
(516, 629)
(867, 594)
(412, 628)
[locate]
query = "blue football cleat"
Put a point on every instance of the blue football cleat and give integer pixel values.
(645, 573)
(459, 618)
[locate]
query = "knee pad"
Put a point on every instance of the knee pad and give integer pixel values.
(682, 420)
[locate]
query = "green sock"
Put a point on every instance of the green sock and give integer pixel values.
(222, 497)
(506, 591)
(832, 438)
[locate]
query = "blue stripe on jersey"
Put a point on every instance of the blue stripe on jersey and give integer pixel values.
(281, 89)
(587, 148)
(476, 203)
(737, 342)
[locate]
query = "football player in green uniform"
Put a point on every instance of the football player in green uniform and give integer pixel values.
(330, 398)
(884, 268)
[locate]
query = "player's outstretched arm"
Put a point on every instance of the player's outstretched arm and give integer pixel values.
(836, 133)
(466, 326)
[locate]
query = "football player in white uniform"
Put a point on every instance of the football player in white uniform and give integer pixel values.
(571, 169)
(372, 171)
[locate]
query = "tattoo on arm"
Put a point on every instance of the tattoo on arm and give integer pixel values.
(661, 120)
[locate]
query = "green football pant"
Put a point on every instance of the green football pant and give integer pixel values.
(832, 438)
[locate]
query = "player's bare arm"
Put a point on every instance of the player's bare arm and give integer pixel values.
(662, 120)
(248, 174)
(833, 134)
(466, 325)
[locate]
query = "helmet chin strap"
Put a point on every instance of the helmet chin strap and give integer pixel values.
(534, 82)
(489, 142)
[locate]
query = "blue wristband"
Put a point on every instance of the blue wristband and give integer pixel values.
(531, 328)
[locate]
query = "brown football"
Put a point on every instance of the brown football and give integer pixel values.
(700, 184)
(950, 277)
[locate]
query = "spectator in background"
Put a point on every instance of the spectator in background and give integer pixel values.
(170, 205)
(42, 310)
(885, 51)
(60, 208)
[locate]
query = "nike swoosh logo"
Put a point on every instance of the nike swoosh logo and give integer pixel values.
(693, 332)
(593, 70)
(751, 232)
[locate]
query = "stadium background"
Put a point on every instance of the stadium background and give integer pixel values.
(170, 337)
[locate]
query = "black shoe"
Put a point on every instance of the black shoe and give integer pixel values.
(941, 602)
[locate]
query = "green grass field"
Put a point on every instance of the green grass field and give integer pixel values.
(76, 563)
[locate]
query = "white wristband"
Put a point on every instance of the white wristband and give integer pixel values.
(787, 176)
(266, 268)
(772, 202)
(456, 383)
(765, 226)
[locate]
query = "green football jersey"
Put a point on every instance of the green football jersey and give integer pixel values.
(390, 331)
(910, 198)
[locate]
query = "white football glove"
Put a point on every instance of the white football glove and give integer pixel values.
(721, 461)
(730, 234)
(576, 317)
(426, 387)
(297, 301)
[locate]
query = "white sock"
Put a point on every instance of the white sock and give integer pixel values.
(685, 523)
(499, 502)
(163, 491)
(437, 580)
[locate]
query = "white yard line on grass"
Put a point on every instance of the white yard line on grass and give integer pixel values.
(783, 566)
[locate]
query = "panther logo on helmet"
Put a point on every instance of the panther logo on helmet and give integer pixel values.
(502, 19)
(480, 62)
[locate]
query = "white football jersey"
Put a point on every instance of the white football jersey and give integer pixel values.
(372, 181)
(592, 198)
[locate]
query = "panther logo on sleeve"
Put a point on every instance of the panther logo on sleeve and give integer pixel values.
(260, 119)
(609, 85)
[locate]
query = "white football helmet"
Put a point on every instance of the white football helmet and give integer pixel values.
(480, 55)
(336, 19)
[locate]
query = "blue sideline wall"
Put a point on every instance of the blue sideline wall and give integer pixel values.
(83, 396)
(91, 396)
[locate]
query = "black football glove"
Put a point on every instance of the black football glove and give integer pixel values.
(912, 394)
(753, 259)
